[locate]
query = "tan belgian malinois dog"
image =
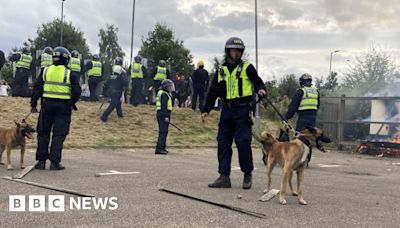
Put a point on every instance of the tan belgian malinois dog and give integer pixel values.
(291, 156)
(11, 138)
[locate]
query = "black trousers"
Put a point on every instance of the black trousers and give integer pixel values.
(20, 85)
(198, 93)
(115, 103)
(235, 123)
(137, 91)
(304, 121)
(93, 83)
(55, 118)
(162, 131)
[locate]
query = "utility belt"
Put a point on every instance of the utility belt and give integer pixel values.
(239, 102)
(56, 99)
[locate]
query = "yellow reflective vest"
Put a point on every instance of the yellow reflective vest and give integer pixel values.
(309, 101)
(136, 70)
(238, 83)
(57, 82)
(75, 64)
(96, 69)
(24, 61)
(161, 73)
(158, 100)
(46, 60)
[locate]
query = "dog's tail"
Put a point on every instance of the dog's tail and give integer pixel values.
(264, 152)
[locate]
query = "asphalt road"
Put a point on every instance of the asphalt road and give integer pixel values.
(342, 190)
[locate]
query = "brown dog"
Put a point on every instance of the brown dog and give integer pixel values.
(11, 138)
(291, 156)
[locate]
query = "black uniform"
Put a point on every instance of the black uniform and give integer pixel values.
(55, 116)
(200, 84)
(305, 117)
(114, 87)
(94, 81)
(235, 122)
(20, 84)
(2, 59)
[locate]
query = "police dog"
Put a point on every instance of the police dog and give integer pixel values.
(291, 156)
(11, 138)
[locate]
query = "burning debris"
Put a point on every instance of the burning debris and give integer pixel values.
(385, 138)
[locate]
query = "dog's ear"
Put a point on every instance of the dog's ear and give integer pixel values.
(18, 124)
(311, 129)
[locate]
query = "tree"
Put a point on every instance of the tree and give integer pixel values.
(288, 85)
(331, 82)
(372, 71)
(109, 47)
(48, 34)
(160, 44)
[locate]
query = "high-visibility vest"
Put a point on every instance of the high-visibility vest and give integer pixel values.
(309, 101)
(233, 88)
(24, 61)
(46, 60)
(57, 82)
(136, 70)
(158, 100)
(75, 64)
(96, 69)
(161, 73)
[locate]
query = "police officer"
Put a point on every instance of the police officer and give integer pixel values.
(76, 64)
(164, 109)
(199, 83)
(2, 60)
(137, 72)
(114, 87)
(234, 82)
(161, 73)
(24, 65)
(60, 91)
(46, 58)
(95, 74)
(306, 103)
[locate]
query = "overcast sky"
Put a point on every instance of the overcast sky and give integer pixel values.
(295, 36)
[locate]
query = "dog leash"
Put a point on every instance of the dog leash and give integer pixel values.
(296, 133)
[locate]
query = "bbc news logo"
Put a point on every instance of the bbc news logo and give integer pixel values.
(56, 203)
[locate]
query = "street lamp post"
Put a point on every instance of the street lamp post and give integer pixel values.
(62, 22)
(330, 65)
(256, 36)
(133, 27)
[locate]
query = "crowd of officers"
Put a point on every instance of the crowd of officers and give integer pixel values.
(235, 83)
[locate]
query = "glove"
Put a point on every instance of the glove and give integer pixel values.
(74, 107)
(166, 119)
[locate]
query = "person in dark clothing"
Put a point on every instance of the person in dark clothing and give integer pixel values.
(306, 104)
(200, 84)
(95, 70)
(2, 59)
(24, 68)
(59, 91)
(164, 109)
(161, 73)
(138, 73)
(234, 82)
(114, 86)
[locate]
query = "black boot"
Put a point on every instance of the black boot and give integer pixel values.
(40, 165)
(247, 181)
(162, 152)
(223, 181)
(56, 166)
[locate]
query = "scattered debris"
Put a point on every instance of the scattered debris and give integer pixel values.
(241, 210)
(114, 172)
(239, 196)
(359, 173)
(58, 189)
(25, 171)
(329, 166)
(269, 195)
(380, 149)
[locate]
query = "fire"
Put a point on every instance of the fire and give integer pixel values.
(396, 138)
